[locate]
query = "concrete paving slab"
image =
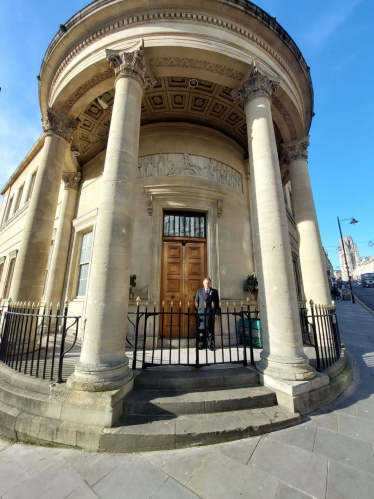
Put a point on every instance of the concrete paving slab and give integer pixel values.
(241, 450)
(38, 458)
(84, 491)
(134, 478)
(296, 467)
(287, 492)
(346, 450)
(365, 410)
(345, 482)
(57, 481)
(179, 464)
(11, 475)
(359, 428)
(327, 421)
(300, 436)
(220, 477)
(171, 489)
(13, 452)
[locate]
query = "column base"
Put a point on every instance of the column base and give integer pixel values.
(291, 371)
(94, 378)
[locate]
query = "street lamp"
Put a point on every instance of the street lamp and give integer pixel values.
(353, 221)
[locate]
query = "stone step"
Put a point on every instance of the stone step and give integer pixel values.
(155, 402)
(149, 433)
(195, 379)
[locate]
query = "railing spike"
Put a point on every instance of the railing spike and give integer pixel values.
(24, 304)
(247, 300)
(154, 304)
(220, 305)
(29, 305)
(241, 303)
(234, 304)
(227, 303)
(38, 306)
(180, 304)
(33, 305)
(163, 304)
(196, 305)
(171, 304)
(58, 306)
(333, 303)
(66, 302)
(138, 301)
(50, 306)
(146, 303)
(188, 305)
(311, 303)
(10, 300)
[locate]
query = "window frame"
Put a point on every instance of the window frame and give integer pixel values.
(8, 209)
(19, 198)
(9, 274)
(31, 185)
(79, 266)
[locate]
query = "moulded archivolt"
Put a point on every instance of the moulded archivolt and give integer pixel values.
(164, 165)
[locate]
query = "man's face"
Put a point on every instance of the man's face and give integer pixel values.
(207, 284)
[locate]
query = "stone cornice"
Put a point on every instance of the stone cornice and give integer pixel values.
(59, 124)
(255, 85)
(187, 17)
(295, 150)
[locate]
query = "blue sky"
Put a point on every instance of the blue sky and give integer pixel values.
(335, 37)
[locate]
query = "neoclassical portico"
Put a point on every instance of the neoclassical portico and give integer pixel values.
(232, 103)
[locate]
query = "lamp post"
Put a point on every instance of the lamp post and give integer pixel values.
(353, 222)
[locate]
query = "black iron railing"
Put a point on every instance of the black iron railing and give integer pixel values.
(321, 331)
(172, 337)
(33, 342)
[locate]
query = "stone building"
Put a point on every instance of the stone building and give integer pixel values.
(174, 137)
(352, 255)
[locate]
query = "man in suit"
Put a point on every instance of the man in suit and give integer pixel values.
(207, 301)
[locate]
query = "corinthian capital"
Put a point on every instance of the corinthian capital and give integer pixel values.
(295, 150)
(255, 85)
(71, 180)
(59, 124)
(131, 63)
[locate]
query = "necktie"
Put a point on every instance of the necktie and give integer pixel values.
(206, 293)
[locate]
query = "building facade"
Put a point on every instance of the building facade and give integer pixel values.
(174, 146)
(352, 255)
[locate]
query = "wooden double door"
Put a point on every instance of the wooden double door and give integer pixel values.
(183, 270)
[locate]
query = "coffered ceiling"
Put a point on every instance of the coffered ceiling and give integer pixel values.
(171, 99)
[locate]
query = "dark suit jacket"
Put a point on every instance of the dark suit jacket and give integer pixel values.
(207, 322)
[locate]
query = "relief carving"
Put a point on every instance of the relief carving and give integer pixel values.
(256, 85)
(71, 180)
(295, 151)
(196, 64)
(159, 165)
(59, 124)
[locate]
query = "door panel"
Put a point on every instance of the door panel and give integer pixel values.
(183, 269)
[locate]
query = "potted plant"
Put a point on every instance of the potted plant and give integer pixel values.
(251, 286)
(132, 285)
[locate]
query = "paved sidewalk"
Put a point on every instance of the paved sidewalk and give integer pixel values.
(329, 455)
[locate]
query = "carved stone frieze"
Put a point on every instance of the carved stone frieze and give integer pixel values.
(295, 151)
(59, 124)
(71, 180)
(285, 115)
(196, 64)
(131, 63)
(256, 85)
(85, 87)
(159, 165)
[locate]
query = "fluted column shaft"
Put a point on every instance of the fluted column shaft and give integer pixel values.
(29, 272)
(103, 364)
(60, 252)
(282, 356)
(312, 258)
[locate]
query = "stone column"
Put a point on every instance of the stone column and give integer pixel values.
(57, 267)
(29, 273)
(103, 364)
(282, 356)
(312, 258)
